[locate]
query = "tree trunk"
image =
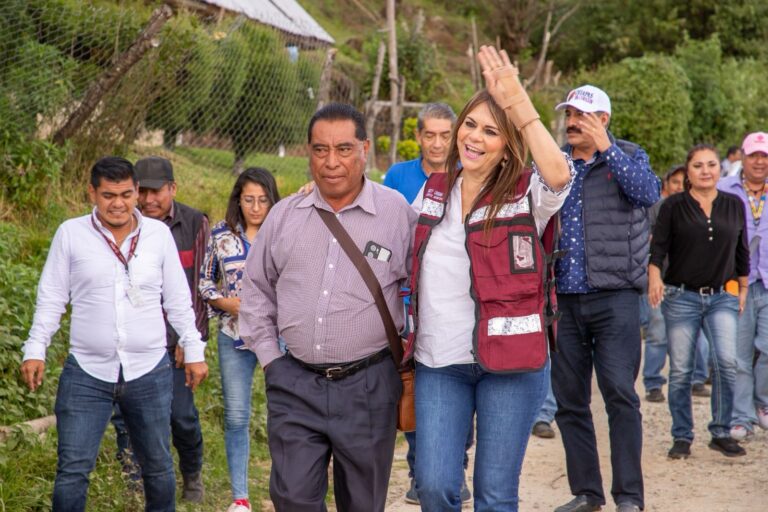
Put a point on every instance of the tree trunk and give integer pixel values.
(371, 111)
(324, 93)
(394, 81)
(109, 78)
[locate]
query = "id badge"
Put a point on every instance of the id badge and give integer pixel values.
(134, 296)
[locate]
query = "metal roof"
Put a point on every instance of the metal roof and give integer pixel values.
(286, 15)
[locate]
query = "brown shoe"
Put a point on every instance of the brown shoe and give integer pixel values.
(700, 390)
(654, 395)
(543, 430)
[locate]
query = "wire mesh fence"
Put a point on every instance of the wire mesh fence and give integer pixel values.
(219, 88)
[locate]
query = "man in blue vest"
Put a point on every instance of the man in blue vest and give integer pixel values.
(605, 234)
(189, 227)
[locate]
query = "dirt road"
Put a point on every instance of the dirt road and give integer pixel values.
(706, 482)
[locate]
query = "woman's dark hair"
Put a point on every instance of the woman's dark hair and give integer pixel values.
(258, 176)
(700, 147)
(112, 168)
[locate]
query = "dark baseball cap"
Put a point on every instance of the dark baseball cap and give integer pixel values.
(153, 172)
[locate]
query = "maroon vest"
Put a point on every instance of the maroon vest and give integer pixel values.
(512, 277)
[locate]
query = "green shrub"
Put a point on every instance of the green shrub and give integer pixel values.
(383, 143)
(29, 169)
(410, 125)
(408, 149)
(650, 103)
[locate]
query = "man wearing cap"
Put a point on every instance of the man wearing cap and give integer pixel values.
(189, 227)
(606, 238)
(121, 274)
(750, 392)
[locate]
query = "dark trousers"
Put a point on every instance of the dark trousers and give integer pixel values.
(602, 330)
(311, 418)
(186, 433)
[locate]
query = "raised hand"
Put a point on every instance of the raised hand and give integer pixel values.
(501, 76)
(503, 84)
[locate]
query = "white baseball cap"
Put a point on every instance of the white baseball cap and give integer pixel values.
(587, 98)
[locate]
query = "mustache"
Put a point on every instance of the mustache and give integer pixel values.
(573, 129)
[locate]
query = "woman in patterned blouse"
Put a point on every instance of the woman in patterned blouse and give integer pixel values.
(254, 193)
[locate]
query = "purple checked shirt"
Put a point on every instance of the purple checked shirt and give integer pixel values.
(300, 284)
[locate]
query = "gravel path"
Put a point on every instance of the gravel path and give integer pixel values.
(706, 482)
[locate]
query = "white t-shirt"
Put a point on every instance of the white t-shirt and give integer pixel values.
(446, 310)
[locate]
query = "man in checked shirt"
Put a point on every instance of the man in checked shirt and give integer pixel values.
(300, 284)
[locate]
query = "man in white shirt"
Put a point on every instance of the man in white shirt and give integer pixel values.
(119, 271)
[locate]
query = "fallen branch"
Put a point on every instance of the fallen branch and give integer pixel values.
(37, 426)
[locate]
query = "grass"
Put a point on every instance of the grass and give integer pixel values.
(28, 461)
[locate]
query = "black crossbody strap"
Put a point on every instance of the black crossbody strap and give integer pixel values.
(362, 266)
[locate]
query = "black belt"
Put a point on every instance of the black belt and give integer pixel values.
(338, 371)
(704, 290)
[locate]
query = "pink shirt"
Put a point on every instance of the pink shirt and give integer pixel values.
(299, 283)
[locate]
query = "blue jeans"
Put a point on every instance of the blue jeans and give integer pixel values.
(186, 433)
(656, 352)
(410, 437)
(685, 313)
(549, 407)
(751, 384)
(505, 405)
(83, 408)
(600, 330)
(237, 367)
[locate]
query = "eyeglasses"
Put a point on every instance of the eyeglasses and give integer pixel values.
(342, 150)
(251, 201)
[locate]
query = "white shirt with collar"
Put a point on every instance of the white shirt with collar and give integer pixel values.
(107, 331)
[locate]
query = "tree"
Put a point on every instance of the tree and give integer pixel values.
(650, 103)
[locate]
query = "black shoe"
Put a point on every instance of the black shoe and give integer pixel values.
(465, 494)
(727, 447)
(680, 450)
(654, 395)
(627, 507)
(543, 430)
(578, 504)
(411, 496)
(193, 490)
(701, 390)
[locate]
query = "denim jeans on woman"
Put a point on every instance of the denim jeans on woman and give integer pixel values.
(237, 367)
(751, 385)
(656, 351)
(685, 313)
(83, 409)
(505, 405)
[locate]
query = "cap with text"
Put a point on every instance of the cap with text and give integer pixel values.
(755, 142)
(587, 98)
(153, 172)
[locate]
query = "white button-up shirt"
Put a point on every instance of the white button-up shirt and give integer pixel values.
(107, 330)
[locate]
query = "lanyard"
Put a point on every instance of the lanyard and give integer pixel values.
(115, 249)
(757, 210)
